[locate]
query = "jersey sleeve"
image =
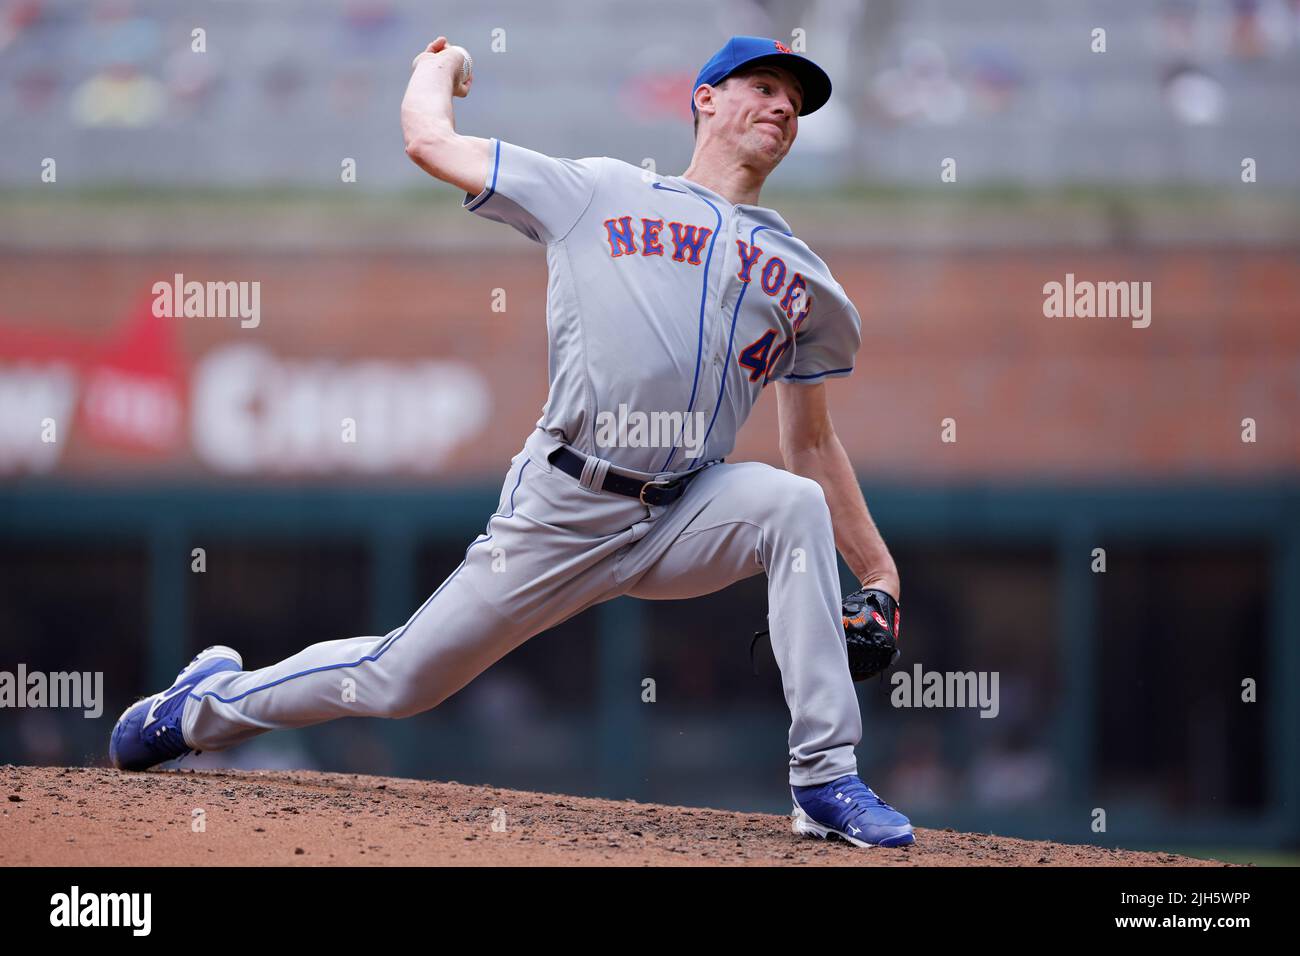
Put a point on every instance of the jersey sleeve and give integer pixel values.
(827, 346)
(539, 195)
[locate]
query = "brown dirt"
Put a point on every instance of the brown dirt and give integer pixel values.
(90, 816)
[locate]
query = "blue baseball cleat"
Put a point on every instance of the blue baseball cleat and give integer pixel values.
(149, 731)
(848, 808)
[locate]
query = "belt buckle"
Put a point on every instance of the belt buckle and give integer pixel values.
(656, 483)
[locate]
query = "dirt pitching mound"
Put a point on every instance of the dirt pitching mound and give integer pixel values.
(91, 816)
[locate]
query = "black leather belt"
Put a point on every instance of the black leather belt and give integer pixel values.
(660, 491)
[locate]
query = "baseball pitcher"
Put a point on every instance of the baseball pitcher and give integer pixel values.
(672, 303)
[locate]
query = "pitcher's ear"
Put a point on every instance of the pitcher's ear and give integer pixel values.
(703, 97)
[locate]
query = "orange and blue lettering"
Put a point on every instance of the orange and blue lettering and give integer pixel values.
(773, 275)
(650, 229)
(620, 238)
(773, 359)
(787, 300)
(690, 238)
(754, 355)
(748, 256)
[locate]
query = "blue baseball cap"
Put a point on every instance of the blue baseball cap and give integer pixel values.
(749, 51)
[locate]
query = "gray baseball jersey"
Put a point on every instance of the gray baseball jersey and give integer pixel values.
(666, 301)
(668, 311)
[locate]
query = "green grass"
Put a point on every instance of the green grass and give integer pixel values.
(435, 206)
(1239, 855)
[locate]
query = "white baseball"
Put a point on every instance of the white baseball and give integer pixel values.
(461, 85)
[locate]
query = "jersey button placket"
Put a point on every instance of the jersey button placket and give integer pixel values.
(725, 285)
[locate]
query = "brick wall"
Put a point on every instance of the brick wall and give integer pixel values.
(957, 335)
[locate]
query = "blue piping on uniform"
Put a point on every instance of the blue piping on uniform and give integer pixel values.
(496, 164)
(726, 365)
(387, 642)
(833, 371)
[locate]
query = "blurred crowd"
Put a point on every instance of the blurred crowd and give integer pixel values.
(332, 68)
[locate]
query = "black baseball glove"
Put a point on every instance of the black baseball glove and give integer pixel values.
(871, 620)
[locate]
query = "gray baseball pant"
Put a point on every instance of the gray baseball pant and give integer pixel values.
(553, 548)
